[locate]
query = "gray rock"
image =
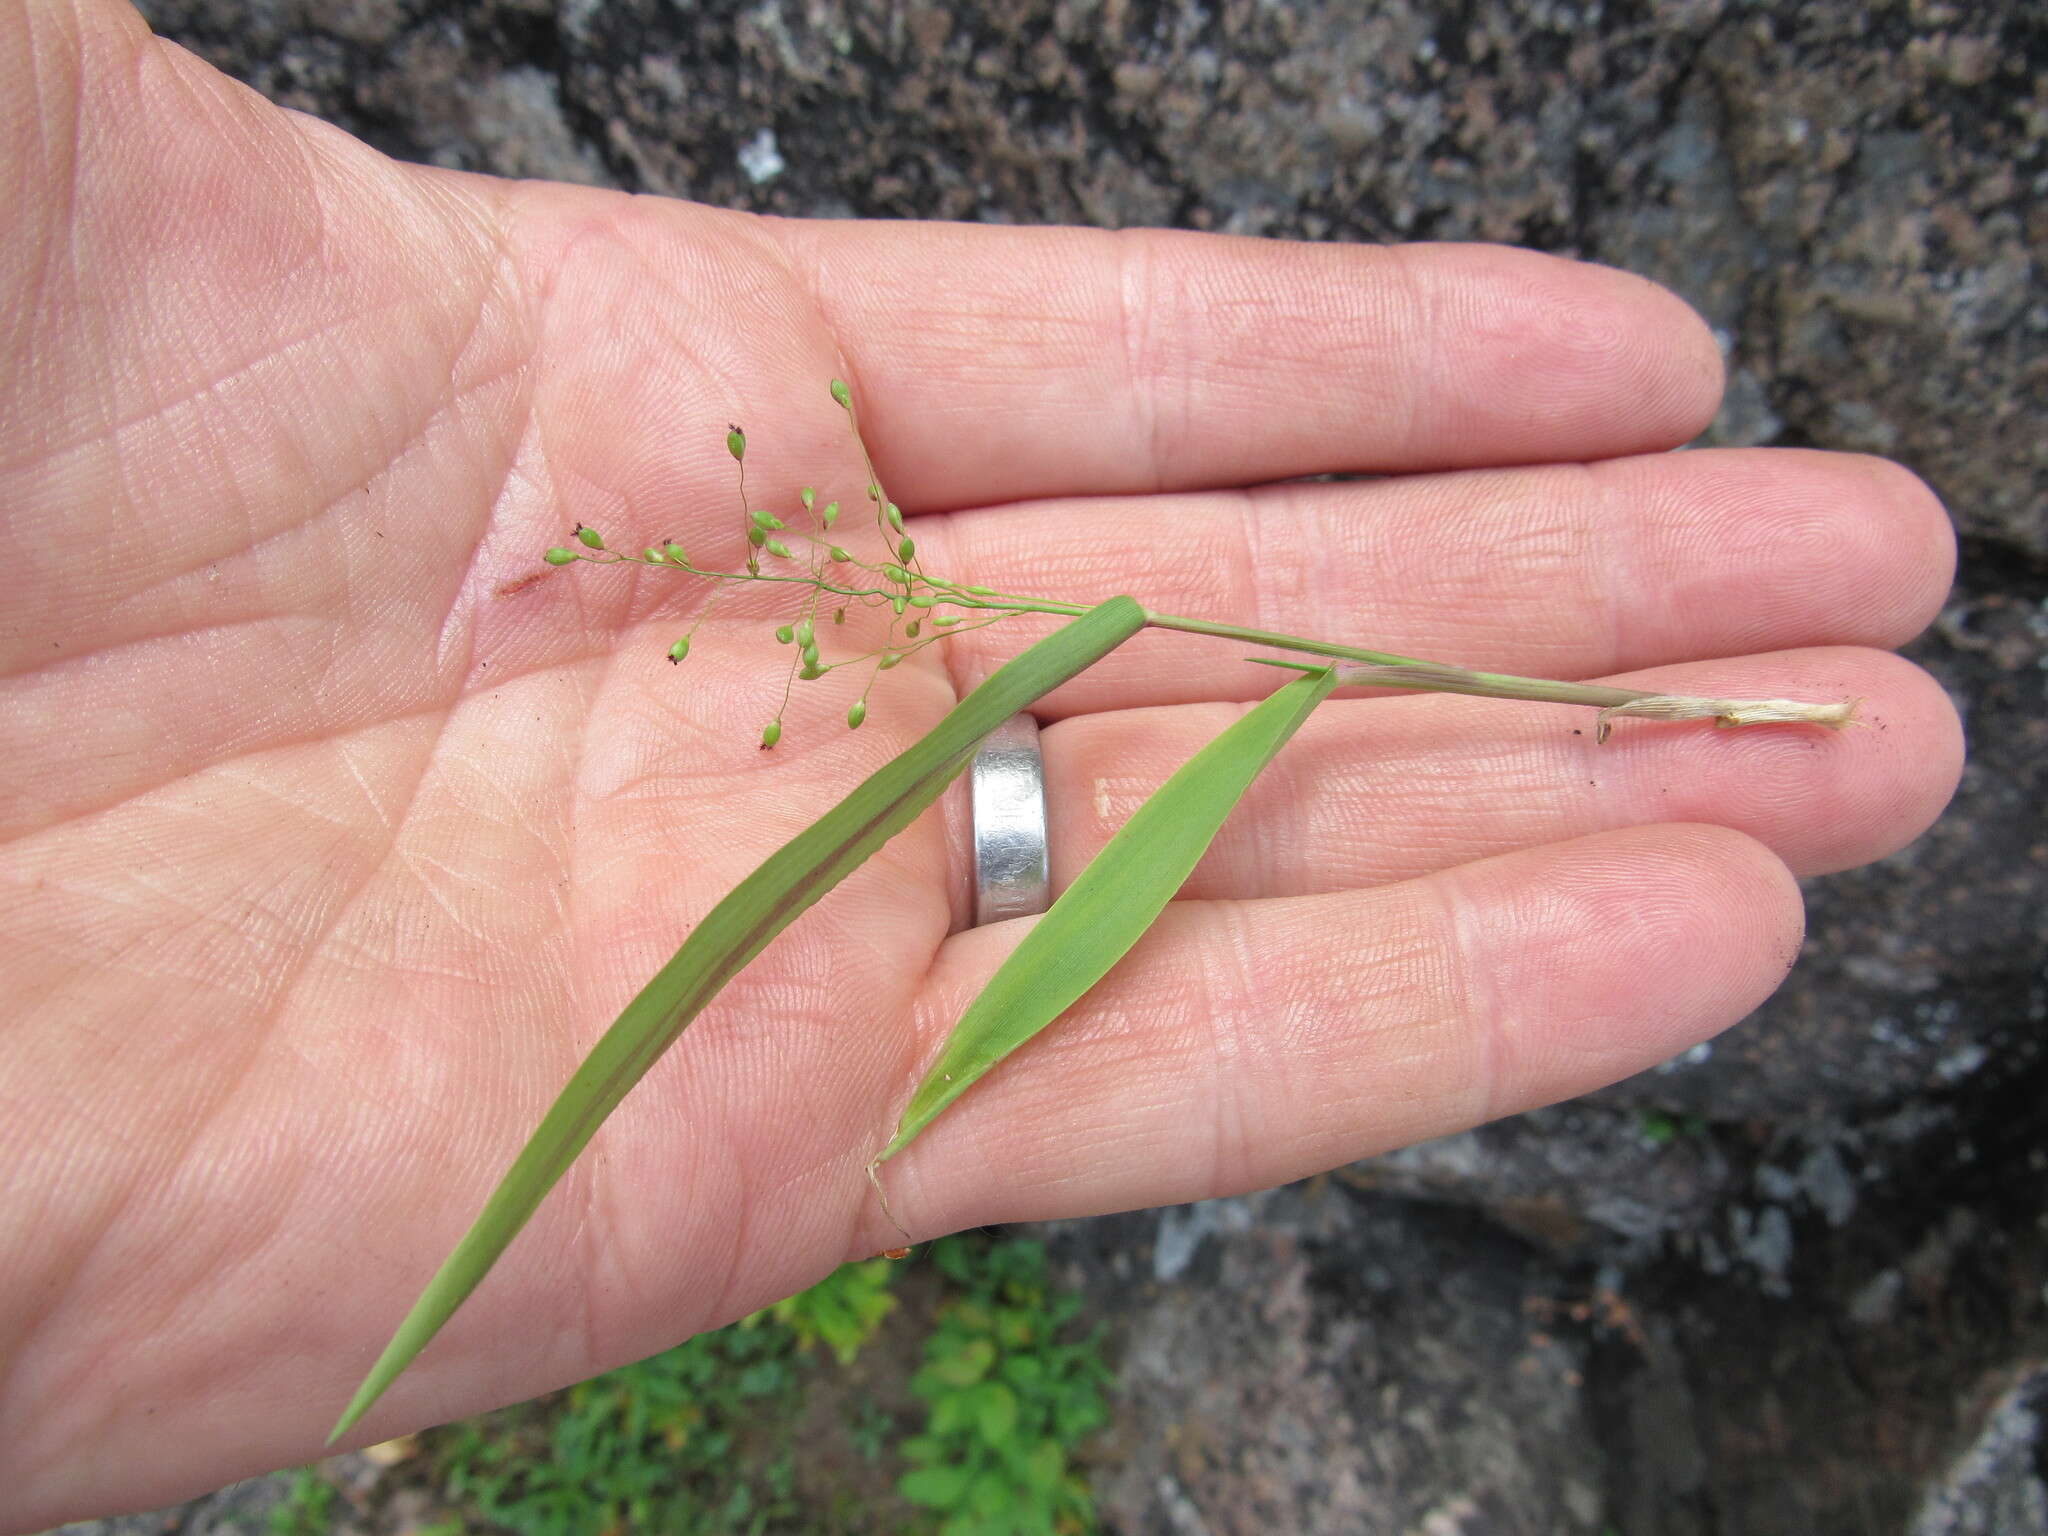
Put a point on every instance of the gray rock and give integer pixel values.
(1333, 1365)
(1995, 1487)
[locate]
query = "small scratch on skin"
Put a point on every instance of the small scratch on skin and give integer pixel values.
(521, 583)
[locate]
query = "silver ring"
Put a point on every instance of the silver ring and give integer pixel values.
(1012, 869)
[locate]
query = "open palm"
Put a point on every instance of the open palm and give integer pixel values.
(330, 844)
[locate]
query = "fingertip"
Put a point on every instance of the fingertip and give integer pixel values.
(1637, 345)
(1911, 728)
(1922, 536)
(1690, 375)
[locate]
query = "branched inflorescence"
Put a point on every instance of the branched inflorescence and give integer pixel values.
(924, 609)
(800, 550)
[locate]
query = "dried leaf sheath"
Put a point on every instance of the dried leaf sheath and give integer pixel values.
(732, 934)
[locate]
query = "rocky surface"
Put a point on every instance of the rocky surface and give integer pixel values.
(1794, 1283)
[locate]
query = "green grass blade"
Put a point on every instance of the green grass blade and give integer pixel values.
(1110, 905)
(732, 934)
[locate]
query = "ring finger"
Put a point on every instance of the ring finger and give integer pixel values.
(1557, 571)
(1379, 790)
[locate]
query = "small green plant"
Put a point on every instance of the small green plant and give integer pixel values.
(1011, 1392)
(1661, 1129)
(702, 1438)
(842, 1311)
(652, 1447)
(870, 1429)
(697, 1439)
(307, 1507)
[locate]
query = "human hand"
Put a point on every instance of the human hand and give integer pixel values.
(324, 862)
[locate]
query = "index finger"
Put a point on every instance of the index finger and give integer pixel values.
(999, 363)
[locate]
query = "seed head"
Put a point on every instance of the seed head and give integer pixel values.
(559, 556)
(842, 394)
(680, 649)
(857, 713)
(589, 537)
(1728, 713)
(736, 442)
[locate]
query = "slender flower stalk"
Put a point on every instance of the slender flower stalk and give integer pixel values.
(924, 609)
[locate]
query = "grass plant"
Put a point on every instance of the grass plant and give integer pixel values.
(1096, 920)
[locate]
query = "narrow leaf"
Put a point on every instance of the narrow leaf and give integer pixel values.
(732, 934)
(1110, 904)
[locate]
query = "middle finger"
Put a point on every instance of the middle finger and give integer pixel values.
(1558, 571)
